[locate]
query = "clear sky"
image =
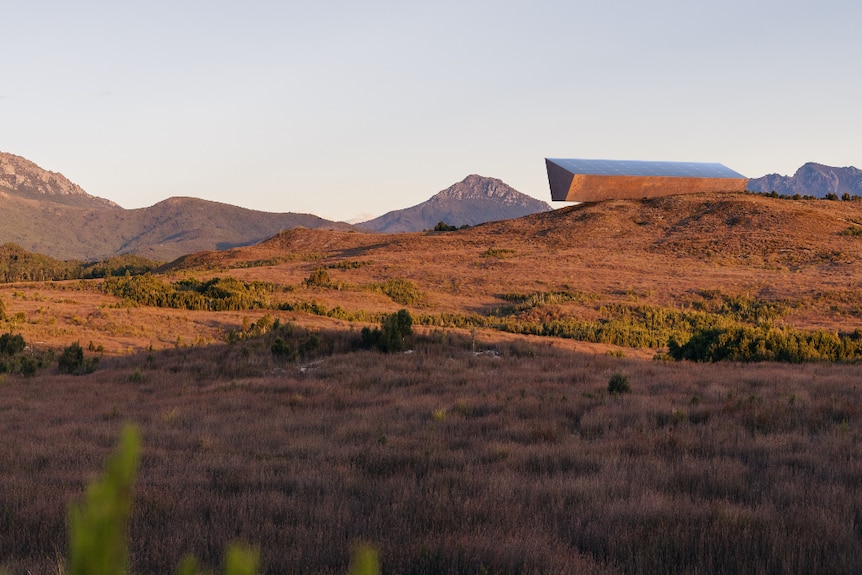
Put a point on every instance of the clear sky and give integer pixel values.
(346, 108)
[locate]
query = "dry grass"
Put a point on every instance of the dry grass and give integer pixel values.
(509, 459)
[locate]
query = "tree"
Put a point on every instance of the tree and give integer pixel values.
(619, 384)
(72, 361)
(444, 227)
(390, 336)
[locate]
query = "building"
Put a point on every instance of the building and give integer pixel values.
(574, 180)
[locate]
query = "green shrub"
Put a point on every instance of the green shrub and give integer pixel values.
(319, 278)
(619, 384)
(282, 350)
(444, 227)
(401, 291)
(390, 336)
(72, 361)
(10, 344)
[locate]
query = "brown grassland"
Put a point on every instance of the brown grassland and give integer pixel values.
(479, 450)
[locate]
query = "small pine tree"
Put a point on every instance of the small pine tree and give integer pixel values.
(619, 384)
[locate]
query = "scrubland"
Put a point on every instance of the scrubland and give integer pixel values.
(491, 443)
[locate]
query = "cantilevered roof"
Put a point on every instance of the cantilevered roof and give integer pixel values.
(580, 180)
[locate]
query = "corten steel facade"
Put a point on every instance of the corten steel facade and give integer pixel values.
(574, 180)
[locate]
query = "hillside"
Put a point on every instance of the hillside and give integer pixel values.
(268, 417)
(44, 213)
(812, 179)
(474, 200)
(662, 252)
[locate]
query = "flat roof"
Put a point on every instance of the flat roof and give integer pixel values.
(640, 168)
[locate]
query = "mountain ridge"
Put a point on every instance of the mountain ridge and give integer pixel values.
(812, 179)
(45, 213)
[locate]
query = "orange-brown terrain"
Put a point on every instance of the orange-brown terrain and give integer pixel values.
(660, 252)
(486, 448)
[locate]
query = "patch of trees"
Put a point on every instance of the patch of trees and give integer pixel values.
(444, 227)
(845, 197)
(15, 357)
(17, 264)
(745, 343)
(216, 294)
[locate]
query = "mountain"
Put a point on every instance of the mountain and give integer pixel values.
(22, 178)
(474, 200)
(812, 180)
(45, 213)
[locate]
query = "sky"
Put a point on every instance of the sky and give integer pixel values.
(343, 109)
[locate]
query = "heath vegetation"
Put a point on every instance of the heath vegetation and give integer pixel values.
(611, 392)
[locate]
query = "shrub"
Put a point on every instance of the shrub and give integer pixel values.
(401, 291)
(390, 336)
(319, 278)
(619, 384)
(444, 227)
(10, 344)
(282, 350)
(72, 361)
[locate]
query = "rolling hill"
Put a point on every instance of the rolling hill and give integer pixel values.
(659, 251)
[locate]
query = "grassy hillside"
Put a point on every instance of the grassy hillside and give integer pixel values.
(497, 443)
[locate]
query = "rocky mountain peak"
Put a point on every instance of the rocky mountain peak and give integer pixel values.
(21, 177)
(475, 187)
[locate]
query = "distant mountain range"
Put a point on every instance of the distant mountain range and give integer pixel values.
(45, 213)
(812, 180)
(474, 200)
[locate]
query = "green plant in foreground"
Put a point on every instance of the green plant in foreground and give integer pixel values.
(98, 526)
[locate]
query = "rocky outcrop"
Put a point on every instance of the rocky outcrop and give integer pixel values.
(21, 177)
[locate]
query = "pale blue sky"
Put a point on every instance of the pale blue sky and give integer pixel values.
(344, 108)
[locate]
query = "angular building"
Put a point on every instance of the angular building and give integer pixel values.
(574, 180)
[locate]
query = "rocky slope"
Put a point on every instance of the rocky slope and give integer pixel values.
(474, 200)
(812, 180)
(22, 178)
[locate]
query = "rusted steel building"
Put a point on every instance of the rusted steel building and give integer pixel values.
(576, 180)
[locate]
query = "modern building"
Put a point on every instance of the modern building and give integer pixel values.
(574, 180)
